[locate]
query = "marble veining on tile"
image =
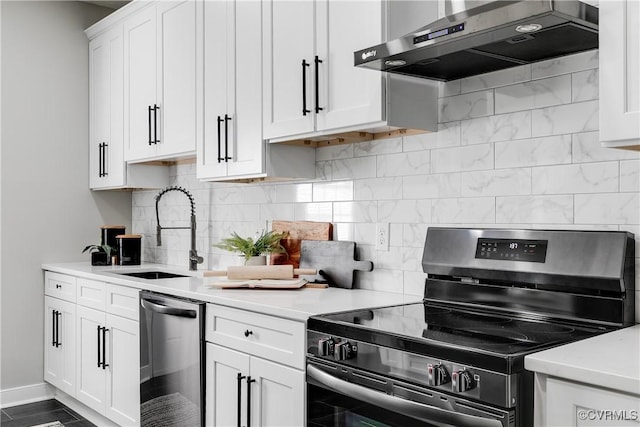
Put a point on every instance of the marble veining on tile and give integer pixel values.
(565, 64)
(405, 211)
(587, 148)
(617, 208)
(448, 135)
(378, 188)
(403, 164)
(480, 210)
(498, 78)
(630, 176)
(472, 157)
(381, 146)
(466, 106)
(535, 94)
(574, 179)
(332, 191)
(584, 86)
(503, 127)
(570, 118)
(362, 211)
(533, 152)
(431, 186)
(535, 209)
(501, 182)
(334, 152)
(359, 167)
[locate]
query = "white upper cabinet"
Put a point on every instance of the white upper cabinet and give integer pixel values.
(311, 86)
(160, 80)
(107, 167)
(232, 146)
(619, 39)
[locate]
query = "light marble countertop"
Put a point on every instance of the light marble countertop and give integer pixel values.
(295, 304)
(610, 360)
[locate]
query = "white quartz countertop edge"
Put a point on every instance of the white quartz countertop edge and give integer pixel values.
(610, 360)
(296, 304)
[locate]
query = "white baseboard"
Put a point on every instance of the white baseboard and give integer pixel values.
(26, 394)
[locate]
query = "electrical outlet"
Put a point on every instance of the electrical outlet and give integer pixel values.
(382, 236)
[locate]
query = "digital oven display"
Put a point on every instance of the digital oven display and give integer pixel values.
(512, 249)
(438, 33)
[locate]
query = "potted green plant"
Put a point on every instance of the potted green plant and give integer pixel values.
(254, 249)
(100, 254)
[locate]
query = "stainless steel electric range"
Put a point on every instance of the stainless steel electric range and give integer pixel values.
(491, 297)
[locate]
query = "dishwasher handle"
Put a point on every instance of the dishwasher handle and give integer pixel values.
(163, 309)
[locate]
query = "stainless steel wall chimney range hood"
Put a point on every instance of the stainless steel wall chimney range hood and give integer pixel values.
(487, 36)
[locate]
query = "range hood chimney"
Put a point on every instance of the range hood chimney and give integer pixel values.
(480, 36)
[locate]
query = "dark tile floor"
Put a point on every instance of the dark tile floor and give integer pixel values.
(42, 412)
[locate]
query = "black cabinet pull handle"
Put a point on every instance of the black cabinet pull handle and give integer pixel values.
(99, 328)
(58, 286)
(240, 377)
(248, 332)
(100, 160)
(155, 123)
(249, 381)
(304, 87)
(53, 328)
(226, 138)
(150, 139)
(318, 108)
(220, 120)
(104, 347)
(104, 159)
(58, 316)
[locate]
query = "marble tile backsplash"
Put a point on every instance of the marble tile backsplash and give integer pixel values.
(515, 148)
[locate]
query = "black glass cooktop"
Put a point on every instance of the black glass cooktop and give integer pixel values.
(498, 341)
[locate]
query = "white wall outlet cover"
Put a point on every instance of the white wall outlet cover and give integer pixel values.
(382, 236)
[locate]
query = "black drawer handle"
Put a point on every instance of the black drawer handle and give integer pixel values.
(220, 120)
(248, 332)
(318, 108)
(304, 87)
(58, 286)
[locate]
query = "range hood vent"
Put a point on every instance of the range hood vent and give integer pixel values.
(490, 37)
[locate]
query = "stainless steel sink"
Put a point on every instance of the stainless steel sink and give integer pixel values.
(154, 274)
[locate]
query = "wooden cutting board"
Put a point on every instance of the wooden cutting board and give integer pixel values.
(335, 262)
(297, 231)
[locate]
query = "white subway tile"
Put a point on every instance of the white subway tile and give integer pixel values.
(501, 182)
(324, 170)
(314, 212)
(363, 211)
(237, 212)
(332, 191)
(481, 210)
(448, 135)
(402, 164)
(344, 231)
(404, 211)
(584, 86)
(280, 211)
(380, 280)
(431, 186)
(467, 106)
(365, 233)
(565, 64)
(414, 283)
(535, 94)
(617, 208)
(378, 188)
(504, 77)
(380, 146)
(504, 127)
(570, 118)
(535, 209)
(288, 193)
(630, 176)
(414, 235)
(574, 179)
(359, 167)
(396, 234)
(334, 152)
(472, 157)
(587, 148)
(533, 152)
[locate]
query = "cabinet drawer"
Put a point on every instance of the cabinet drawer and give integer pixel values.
(60, 286)
(123, 301)
(91, 293)
(269, 337)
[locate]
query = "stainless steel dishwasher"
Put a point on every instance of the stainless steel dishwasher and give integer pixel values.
(171, 361)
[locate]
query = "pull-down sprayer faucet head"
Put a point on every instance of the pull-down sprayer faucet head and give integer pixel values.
(194, 259)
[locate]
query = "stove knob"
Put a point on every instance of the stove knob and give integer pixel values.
(344, 350)
(326, 346)
(463, 381)
(438, 374)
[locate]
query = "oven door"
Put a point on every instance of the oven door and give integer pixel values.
(341, 396)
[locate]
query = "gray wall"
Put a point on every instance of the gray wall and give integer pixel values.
(48, 213)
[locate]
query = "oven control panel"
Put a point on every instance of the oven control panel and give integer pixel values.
(337, 349)
(512, 249)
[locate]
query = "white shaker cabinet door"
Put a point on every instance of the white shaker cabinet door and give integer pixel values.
(91, 376)
(176, 39)
(225, 394)
(348, 95)
(141, 117)
(123, 381)
(278, 395)
(288, 40)
(619, 52)
(60, 344)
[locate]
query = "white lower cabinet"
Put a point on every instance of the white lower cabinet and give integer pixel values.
(561, 403)
(245, 387)
(60, 344)
(92, 349)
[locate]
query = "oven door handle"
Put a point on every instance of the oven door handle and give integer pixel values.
(418, 411)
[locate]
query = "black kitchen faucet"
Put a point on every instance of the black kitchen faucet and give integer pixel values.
(194, 259)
